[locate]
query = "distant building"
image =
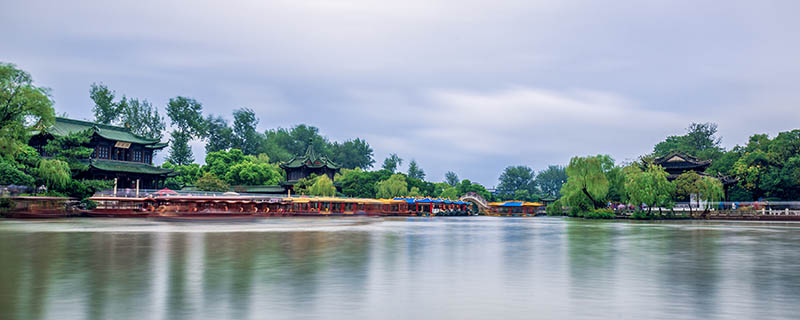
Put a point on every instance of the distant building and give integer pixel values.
(118, 153)
(310, 163)
(677, 163)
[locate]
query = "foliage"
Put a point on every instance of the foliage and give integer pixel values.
(55, 174)
(358, 183)
(587, 184)
(551, 180)
(451, 178)
(699, 141)
(9, 174)
(72, 149)
(392, 163)
(554, 209)
(770, 167)
(185, 175)
(219, 136)
(687, 184)
(414, 171)
(649, 187)
(253, 172)
(514, 179)
(180, 153)
(219, 162)
(450, 193)
(142, 118)
(710, 190)
(210, 182)
(468, 186)
(186, 116)
(602, 213)
(23, 108)
(353, 154)
(85, 188)
(395, 186)
(105, 109)
(245, 136)
(323, 186)
(303, 186)
(415, 192)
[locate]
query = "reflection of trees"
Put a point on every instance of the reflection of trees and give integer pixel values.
(591, 259)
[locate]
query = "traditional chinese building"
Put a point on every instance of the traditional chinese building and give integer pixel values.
(305, 165)
(118, 153)
(677, 163)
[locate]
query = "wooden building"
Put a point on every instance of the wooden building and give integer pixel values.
(118, 153)
(310, 163)
(677, 163)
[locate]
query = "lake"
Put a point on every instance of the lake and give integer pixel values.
(398, 268)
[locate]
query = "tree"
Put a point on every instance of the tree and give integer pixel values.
(358, 183)
(516, 178)
(414, 171)
(468, 186)
(587, 184)
(210, 182)
(105, 109)
(550, 180)
(353, 154)
(451, 178)
(185, 115)
(180, 153)
(395, 186)
(219, 136)
(10, 174)
(449, 193)
(142, 118)
(72, 149)
(23, 108)
(54, 174)
(323, 186)
(710, 190)
(699, 141)
(649, 187)
(392, 162)
(245, 136)
(185, 175)
(686, 185)
(252, 172)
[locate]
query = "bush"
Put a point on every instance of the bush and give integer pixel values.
(88, 204)
(11, 175)
(642, 215)
(6, 204)
(85, 188)
(555, 209)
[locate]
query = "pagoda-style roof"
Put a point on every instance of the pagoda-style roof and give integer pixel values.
(680, 161)
(64, 126)
(127, 166)
(310, 160)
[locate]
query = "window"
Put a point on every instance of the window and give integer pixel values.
(137, 156)
(102, 152)
(147, 157)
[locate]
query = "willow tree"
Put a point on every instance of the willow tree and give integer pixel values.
(55, 174)
(686, 185)
(23, 108)
(323, 186)
(395, 186)
(587, 185)
(710, 189)
(649, 187)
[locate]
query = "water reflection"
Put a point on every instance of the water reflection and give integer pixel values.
(398, 268)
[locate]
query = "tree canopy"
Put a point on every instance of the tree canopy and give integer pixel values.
(392, 162)
(414, 171)
(517, 182)
(23, 107)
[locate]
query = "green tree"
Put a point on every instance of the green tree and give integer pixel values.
(10, 174)
(55, 174)
(72, 149)
(700, 141)
(649, 187)
(550, 180)
(219, 135)
(303, 186)
(451, 178)
(414, 171)
(392, 163)
(245, 136)
(450, 193)
(105, 109)
(358, 183)
(414, 192)
(468, 186)
(180, 153)
(686, 185)
(251, 172)
(395, 186)
(353, 154)
(210, 182)
(516, 178)
(185, 175)
(710, 190)
(142, 118)
(23, 108)
(220, 162)
(587, 184)
(323, 186)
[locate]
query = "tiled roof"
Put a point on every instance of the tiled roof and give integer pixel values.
(127, 166)
(64, 126)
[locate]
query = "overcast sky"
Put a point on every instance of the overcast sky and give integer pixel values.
(468, 86)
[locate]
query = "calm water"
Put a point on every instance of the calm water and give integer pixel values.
(419, 268)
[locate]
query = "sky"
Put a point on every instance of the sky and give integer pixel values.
(468, 86)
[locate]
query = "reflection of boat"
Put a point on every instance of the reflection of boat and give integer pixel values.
(39, 207)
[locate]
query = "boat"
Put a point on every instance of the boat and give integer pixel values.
(27, 207)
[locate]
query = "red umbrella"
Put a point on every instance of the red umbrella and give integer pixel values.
(165, 191)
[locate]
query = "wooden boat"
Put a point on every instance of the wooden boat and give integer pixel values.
(40, 207)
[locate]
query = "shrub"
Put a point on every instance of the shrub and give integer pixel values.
(11, 175)
(600, 214)
(555, 209)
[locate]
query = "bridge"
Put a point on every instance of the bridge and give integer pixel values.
(477, 200)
